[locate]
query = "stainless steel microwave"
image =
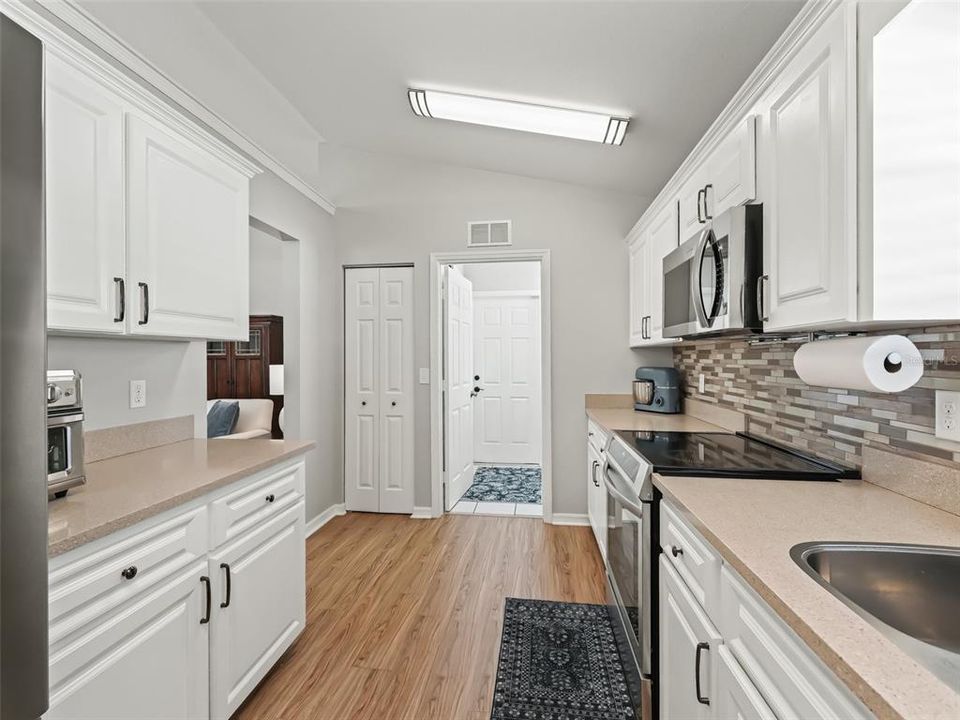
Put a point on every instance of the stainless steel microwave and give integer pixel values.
(712, 282)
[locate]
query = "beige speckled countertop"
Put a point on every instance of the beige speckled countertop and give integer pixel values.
(124, 490)
(754, 523)
(630, 419)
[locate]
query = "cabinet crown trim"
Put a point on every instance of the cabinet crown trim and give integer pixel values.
(810, 17)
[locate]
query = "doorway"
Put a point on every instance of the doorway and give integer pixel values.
(491, 352)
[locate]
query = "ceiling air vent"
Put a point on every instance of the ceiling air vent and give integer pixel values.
(489, 233)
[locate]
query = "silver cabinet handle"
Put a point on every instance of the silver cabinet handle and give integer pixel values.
(706, 188)
(596, 465)
(145, 296)
(761, 312)
(121, 299)
(699, 200)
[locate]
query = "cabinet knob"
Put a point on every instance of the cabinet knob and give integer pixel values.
(676, 551)
(129, 573)
(271, 497)
(363, 402)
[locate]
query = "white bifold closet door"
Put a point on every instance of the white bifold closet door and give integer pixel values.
(378, 370)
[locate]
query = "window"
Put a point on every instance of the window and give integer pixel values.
(251, 348)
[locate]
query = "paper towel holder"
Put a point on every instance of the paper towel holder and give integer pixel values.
(893, 363)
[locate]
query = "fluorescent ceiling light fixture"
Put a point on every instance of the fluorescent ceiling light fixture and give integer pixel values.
(562, 122)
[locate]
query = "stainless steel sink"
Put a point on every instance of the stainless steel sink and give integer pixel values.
(911, 593)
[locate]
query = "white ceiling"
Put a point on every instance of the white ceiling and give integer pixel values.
(671, 66)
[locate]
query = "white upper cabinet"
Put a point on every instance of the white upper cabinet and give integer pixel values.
(727, 178)
(84, 202)
(147, 214)
(808, 155)
(652, 242)
(912, 72)
(187, 215)
(848, 134)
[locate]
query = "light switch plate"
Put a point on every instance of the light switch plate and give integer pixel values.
(424, 376)
(948, 415)
(702, 384)
(138, 393)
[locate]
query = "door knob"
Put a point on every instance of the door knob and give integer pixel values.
(477, 389)
(394, 403)
(363, 402)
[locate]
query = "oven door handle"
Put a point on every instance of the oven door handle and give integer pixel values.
(629, 504)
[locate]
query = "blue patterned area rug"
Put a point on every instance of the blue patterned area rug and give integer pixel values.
(505, 484)
(559, 661)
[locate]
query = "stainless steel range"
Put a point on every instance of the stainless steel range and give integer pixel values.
(64, 432)
(633, 524)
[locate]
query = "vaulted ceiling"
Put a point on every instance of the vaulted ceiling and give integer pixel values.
(345, 66)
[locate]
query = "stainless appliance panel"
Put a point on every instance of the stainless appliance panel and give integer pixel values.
(709, 282)
(23, 415)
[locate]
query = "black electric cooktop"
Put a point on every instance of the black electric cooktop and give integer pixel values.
(728, 455)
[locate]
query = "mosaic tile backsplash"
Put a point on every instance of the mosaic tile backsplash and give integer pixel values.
(759, 381)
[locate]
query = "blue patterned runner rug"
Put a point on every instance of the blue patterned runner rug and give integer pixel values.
(559, 661)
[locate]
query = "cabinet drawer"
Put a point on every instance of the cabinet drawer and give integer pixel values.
(596, 436)
(737, 697)
(145, 660)
(255, 501)
(791, 679)
(696, 562)
(87, 586)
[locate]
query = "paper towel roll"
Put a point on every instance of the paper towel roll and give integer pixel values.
(886, 363)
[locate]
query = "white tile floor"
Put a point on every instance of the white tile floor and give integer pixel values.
(471, 507)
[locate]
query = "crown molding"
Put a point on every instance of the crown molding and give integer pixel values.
(70, 31)
(810, 17)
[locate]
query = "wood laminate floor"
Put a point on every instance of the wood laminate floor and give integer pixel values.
(404, 616)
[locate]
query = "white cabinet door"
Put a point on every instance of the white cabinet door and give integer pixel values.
(692, 203)
(147, 660)
(737, 698)
(596, 498)
(83, 131)
(732, 170)
(259, 607)
(396, 390)
(362, 389)
(686, 636)
(378, 389)
(663, 239)
(188, 238)
(809, 150)
(637, 289)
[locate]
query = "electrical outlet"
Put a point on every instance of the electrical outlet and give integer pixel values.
(138, 393)
(948, 415)
(424, 376)
(702, 385)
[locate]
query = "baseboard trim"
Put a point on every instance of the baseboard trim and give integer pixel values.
(569, 519)
(424, 512)
(324, 517)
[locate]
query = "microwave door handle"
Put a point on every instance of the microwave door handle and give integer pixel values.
(696, 295)
(629, 504)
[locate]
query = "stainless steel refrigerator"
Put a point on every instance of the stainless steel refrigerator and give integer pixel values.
(23, 433)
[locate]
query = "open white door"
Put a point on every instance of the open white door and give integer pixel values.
(458, 386)
(508, 365)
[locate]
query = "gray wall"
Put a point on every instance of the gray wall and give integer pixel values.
(314, 389)
(266, 274)
(411, 210)
(176, 375)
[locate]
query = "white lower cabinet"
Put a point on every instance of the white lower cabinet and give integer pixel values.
(261, 608)
(688, 647)
(146, 660)
(596, 491)
(737, 697)
(751, 665)
(157, 622)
